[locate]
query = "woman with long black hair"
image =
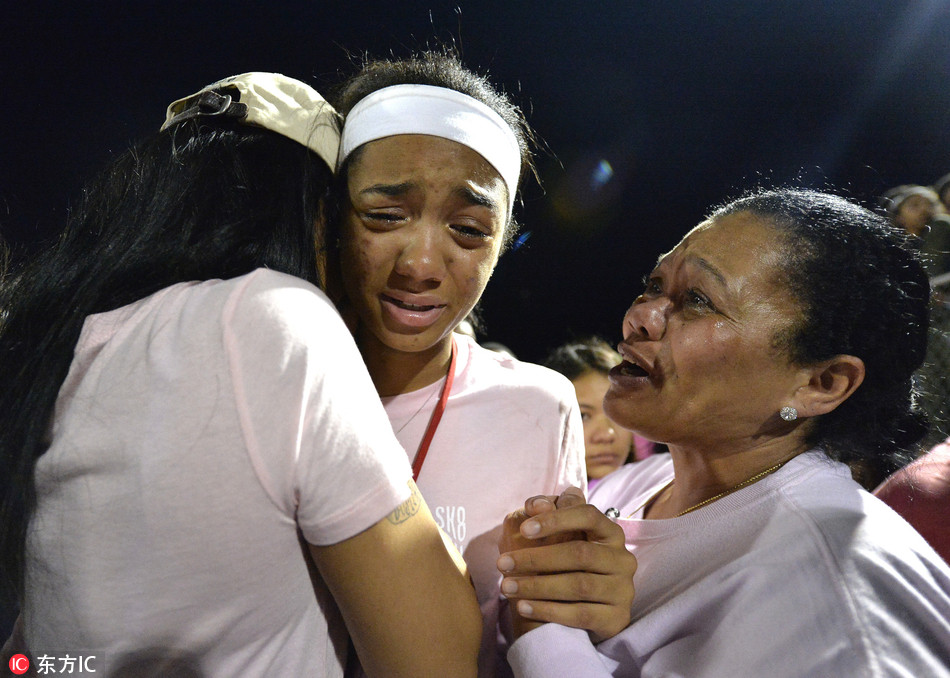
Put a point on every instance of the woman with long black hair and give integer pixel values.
(187, 428)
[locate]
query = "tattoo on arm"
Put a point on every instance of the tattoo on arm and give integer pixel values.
(408, 508)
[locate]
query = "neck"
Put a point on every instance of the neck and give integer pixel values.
(394, 371)
(701, 475)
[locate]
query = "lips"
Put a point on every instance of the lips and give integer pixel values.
(604, 460)
(635, 370)
(411, 310)
(632, 370)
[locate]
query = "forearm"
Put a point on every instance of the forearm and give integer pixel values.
(409, 609)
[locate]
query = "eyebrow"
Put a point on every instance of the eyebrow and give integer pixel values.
(473, 197)
(391, 190)
(709, 268)
(469, 195)
(703, 264)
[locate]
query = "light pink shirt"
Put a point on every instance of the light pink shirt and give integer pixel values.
(799, 574)
(199, 432)
(510, 430)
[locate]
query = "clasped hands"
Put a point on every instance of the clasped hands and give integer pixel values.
(564, 561)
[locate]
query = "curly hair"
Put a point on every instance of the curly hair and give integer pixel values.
(863, 291)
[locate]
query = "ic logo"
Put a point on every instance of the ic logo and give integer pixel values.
(19, 664)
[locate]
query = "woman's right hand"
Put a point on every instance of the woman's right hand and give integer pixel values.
(564, 561)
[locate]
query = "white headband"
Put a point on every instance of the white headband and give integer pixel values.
(440, 112)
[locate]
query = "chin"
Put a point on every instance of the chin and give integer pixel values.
(617, 410)
(412, 343)
(599, 472)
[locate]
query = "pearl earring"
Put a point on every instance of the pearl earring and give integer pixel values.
(788, 413)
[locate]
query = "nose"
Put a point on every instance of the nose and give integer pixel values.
(647, 318)
(421, 258)
(603, 432)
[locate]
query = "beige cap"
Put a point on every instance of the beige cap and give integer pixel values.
(269, 100)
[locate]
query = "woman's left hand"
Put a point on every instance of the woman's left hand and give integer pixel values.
(566, 562)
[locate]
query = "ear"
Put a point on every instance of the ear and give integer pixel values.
(830, 383)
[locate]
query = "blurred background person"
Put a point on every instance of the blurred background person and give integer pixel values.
(607, 446)
(918, 211)
(920, 493)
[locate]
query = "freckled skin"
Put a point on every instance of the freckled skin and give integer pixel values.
(425, 220)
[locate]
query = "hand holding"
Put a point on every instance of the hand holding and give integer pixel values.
(564, 561)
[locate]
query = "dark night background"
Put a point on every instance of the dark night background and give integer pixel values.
(652, 112)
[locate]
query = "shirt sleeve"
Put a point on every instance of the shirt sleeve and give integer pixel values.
(572, 465)
(555, 651)
(316, 432)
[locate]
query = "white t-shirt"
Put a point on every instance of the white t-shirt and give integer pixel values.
(199, 432)
(510, 430)
(800, 574)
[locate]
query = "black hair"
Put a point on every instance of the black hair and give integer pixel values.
(439, 69)
(576, 358)
(862, 291)
(194, 202)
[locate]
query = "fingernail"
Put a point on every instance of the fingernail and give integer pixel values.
(509, 586)
(529, 528)
(524, 608)
(505, 564)
(540, 500)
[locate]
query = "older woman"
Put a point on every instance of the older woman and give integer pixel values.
(764, 366)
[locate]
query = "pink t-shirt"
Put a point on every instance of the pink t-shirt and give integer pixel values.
(510, 430)
(199, 432)
(802, 573)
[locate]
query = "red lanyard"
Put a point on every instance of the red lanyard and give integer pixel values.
(436, 416)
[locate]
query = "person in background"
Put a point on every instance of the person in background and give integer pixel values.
(194, 459)
(918, 211)
(920, 493)
(607, 446)
(430, 163)
(773, 345)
